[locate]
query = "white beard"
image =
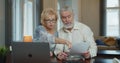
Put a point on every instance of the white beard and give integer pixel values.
(67, 26)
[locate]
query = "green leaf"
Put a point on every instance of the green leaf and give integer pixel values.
(3, 51)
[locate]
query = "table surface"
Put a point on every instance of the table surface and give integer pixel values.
(97, 59)
(94, 60)
(109, 52)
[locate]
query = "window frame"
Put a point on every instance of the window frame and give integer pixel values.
(102, 18)
(103, 23)
(9, 19)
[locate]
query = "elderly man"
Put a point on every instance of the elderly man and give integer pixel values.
(75, 32)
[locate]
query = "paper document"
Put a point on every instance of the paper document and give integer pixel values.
(79, 47)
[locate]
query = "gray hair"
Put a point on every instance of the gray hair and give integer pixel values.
(66, 8)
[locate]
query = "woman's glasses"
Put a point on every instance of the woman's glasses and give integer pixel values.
(50, 21)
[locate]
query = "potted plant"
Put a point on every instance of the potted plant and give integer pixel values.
(3, 54)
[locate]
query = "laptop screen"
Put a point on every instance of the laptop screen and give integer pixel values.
(30, 52)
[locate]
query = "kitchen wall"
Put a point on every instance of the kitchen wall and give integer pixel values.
(86, 11)
(90, 15)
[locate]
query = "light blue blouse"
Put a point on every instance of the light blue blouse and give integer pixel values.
(41, 35)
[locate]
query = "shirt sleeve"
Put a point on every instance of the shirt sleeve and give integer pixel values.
(88, 37)
(41, 35)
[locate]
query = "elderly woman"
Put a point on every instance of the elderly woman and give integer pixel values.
(46, 32)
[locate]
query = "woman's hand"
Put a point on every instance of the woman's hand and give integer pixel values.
(68, 44)
(51, 54)
(63, 41)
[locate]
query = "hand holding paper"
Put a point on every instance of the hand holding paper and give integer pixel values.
(79, 47)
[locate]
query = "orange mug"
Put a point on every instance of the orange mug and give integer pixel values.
(27, 39)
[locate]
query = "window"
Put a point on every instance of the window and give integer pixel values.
(28, 20)
(17, 20)
(24, 18)
(112, 14)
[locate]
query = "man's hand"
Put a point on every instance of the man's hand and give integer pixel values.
(86, 54)
(62, 56)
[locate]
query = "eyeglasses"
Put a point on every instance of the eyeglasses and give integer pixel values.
(50, 21)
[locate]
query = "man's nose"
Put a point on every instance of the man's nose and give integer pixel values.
(67, 19)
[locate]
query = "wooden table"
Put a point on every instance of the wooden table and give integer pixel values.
(94, 60)
(103, 56)
(108, 54)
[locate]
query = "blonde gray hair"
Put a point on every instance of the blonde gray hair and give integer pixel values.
(46, 12)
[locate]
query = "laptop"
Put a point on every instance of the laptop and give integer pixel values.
(30, 52)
